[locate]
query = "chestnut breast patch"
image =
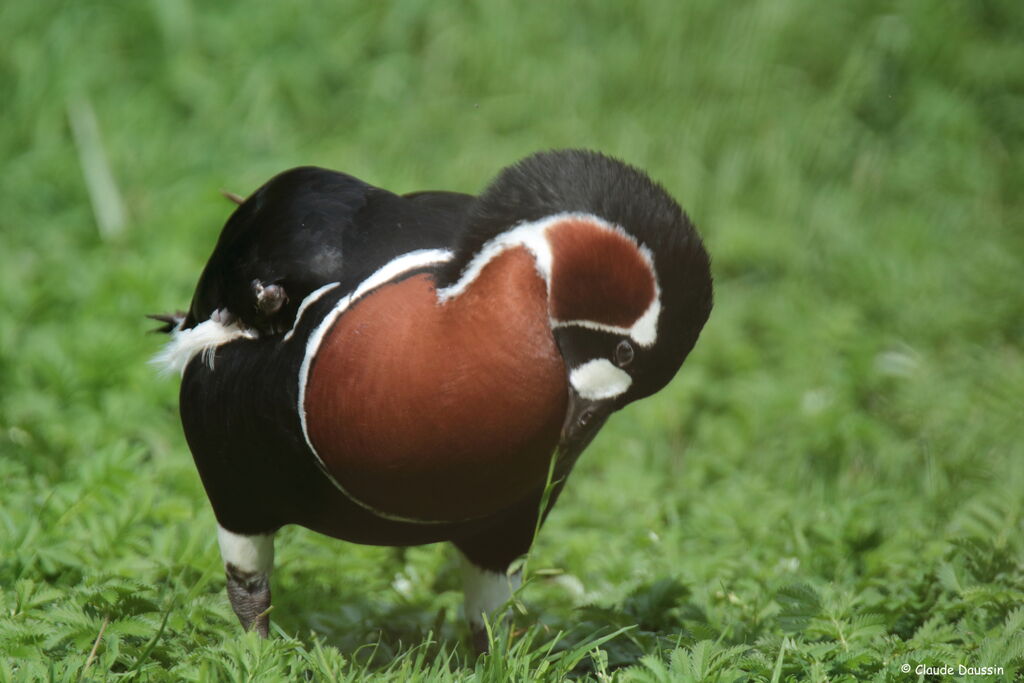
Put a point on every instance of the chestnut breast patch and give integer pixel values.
(441, 412)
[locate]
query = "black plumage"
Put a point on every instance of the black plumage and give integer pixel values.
(583, 181)
(310, 226)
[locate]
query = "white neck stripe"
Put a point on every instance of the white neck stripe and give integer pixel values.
(644, 331)
(529, 235)
(533, 236)
(310, 299)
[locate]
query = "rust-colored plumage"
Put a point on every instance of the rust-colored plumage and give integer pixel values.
(598, 275)
(441, 412)
(430, 353)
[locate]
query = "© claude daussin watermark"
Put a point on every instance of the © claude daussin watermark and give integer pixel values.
(952, 670)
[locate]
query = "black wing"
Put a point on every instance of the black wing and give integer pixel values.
(308, 227)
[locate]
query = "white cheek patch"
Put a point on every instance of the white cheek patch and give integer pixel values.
(599, 379)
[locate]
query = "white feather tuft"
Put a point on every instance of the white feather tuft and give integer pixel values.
(203, 339)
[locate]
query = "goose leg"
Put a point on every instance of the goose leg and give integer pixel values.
(248, 562)
(486, 557)
(485, 591)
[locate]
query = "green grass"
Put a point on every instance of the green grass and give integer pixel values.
(832, 487)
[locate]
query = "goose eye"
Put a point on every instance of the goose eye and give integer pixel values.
(623, 354)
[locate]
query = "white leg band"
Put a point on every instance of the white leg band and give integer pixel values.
(485, 591)
(250, 554)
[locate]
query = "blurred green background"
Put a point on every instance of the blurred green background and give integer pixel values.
(830, 489)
